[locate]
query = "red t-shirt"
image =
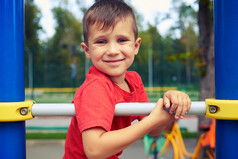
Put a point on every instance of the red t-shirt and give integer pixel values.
(94, 104)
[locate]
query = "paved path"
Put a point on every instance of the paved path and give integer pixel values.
(54, 149)
(190, 122)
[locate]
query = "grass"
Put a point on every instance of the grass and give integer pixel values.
(62, 135)
(49, 100)
(187, 135)
(67, 97)
(38, 135)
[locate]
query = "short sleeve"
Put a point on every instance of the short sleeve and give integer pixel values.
(95, 106)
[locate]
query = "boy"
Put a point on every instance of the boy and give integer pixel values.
(111, 42)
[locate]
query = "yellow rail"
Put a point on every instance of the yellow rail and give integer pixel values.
(158, 89)
(66, 90)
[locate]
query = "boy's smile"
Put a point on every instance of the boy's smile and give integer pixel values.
(114, 62)
(112, 51)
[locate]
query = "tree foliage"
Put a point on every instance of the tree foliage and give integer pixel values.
(68, 33)
(170, 54)
(32, 42)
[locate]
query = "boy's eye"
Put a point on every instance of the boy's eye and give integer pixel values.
(122, 40)
(101, 41)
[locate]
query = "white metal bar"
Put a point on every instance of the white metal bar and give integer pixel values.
(50, 109)
(122, 109)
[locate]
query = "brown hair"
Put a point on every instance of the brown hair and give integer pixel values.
(105, 14)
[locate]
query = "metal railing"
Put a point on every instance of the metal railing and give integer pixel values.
(121, 109)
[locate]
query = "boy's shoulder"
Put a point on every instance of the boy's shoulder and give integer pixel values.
(95, 80)
(134, 79)
(132, 73)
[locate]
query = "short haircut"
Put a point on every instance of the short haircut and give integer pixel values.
(105, 14)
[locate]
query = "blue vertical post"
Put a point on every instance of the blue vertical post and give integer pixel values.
(226, 72)
(12, 88)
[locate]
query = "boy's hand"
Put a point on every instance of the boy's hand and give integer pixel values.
(177, 101)
(159, 115)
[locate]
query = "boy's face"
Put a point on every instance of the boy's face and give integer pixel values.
(112, 51)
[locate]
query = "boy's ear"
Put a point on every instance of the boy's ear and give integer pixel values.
(137, 45)
(86, 50)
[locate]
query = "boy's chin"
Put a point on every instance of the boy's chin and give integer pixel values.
(116, 74)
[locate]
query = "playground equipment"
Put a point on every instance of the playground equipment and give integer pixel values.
(12, 134)
(226, 73)
(20, 111)
(173, 142)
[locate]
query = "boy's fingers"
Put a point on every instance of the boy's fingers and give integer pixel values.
(186, 107)
(175, 102)
(189, 103)
(166, 102)
(178, 104)
(179, 111)
(160, 102)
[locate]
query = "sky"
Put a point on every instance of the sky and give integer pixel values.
(148, 8)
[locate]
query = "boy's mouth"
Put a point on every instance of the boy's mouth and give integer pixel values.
(114, 61)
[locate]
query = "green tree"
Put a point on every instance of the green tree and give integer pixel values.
(186, 25)
(186, 15)
(32, 42)
(141, 60)
(68, 33)
(189, 57)
(161, 47)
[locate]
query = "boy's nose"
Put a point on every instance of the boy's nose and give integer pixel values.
(113, 49)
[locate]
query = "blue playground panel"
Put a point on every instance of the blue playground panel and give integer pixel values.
(226, 71)
(12, 88)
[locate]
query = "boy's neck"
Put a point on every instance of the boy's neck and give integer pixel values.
(121, 82)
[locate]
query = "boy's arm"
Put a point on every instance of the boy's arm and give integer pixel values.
(99, 143)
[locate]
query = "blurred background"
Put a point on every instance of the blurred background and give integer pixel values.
(169, 56)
